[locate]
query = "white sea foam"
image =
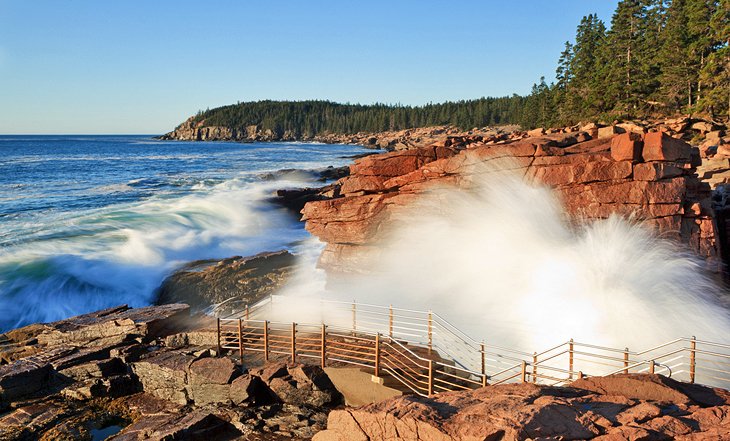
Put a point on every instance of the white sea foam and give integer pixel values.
(120, 255)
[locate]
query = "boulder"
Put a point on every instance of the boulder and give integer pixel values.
(247, 279)
(658, 146)
(630, 127)
(653, 387)
(626, 147)
(23, 377)
(606, 132)
(165, 375)
(250, 389)
(209, 380)
(536, 132)
(703, 126)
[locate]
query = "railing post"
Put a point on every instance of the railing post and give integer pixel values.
(323, 355)
(692, 359)
(523, 374)
(240, 339)
(652, 366)
(484, 380)
(626, 360)
(484, 364)
(354, 317)
(430, 331)
(293, 342)
(430, 377)
(534, 367)
(377, 354)
(570, 359)
(219, 336)
(390, 322)
(247, 313)
(266, 340)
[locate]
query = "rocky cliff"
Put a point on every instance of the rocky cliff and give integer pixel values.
(192, 130)
(596, 171)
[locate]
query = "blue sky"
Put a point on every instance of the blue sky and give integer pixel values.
(137, 66)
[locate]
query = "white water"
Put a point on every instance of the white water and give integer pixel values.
(504, 265)
(121, 254)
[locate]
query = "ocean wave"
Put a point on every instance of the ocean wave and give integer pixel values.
(120, 255)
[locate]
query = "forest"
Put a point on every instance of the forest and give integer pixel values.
(656, 58)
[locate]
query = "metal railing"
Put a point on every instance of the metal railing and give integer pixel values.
(427, 354)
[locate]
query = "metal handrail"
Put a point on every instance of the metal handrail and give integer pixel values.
(472, 358)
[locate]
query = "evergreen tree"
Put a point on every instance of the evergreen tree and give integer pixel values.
(715, 74)
(677, 71)
(589, 39)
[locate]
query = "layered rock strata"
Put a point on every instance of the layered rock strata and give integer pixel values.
(651, 176)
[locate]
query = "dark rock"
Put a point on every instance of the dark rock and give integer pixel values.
(301, 385)
(333, 173)
(23, 377)
(196, 425)
(295, 199)
(249, 389)
(246, 279)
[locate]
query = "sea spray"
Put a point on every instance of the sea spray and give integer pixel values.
(505, 264)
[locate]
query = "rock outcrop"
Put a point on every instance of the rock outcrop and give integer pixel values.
(637, 407)
(649, 175)
(151, 373)
(388, 140)
(245, 280)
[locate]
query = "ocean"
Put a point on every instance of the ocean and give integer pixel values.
(89, 222)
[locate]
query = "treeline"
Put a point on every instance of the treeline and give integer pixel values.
(658, 58)
(308, 118)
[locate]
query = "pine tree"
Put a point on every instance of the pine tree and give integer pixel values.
(677, 73)
(627, 78)
(589, 39)
(715, 74)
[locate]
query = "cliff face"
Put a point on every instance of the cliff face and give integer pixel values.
(387, 140)
(198, 131)
(596, 172)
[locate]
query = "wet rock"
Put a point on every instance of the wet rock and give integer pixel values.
(594, 178)
(295, 199)
(245, 279)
